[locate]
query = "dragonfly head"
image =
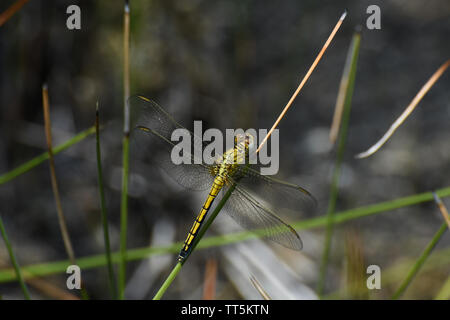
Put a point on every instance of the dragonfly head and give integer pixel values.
(244, 141)
(243, 147)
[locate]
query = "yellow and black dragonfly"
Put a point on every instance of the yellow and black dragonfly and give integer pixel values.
(255, 197)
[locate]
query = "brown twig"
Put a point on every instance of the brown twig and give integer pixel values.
(209, 289)
(259, 288)
(442, 208)
(126, 67)
(8, 13)
(61, 217)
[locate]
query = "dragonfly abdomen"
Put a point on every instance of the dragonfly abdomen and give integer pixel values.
(215, 189)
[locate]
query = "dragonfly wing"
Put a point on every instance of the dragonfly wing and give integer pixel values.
(151, 132)
(254, 214)
(289, 198)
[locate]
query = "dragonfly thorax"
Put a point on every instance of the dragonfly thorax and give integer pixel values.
(227, 164)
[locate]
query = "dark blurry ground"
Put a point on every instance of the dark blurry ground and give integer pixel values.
(231, 64)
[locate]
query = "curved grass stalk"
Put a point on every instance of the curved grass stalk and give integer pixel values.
(409, 109)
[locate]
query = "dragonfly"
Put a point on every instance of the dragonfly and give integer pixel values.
(255, 198)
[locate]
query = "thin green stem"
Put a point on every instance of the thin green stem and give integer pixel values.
(349, 78)
(124, 219)
(200, 235)
(94, 261)
(126, 151)
(168, 281)
(112, 282)
(420, 261)
(27, 166)
(14, 261)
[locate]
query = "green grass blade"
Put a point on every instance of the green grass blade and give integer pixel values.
(168, 281)
(200, 235)
(94, 261)
(112, 282)
(126, 152)
(124, 218)
(27, 166)
(420, 261)
(54, 182)
(17, 270)
(349, 78)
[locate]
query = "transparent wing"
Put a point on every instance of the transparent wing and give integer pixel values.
(293, 200)
(151, 132)
(255, 214)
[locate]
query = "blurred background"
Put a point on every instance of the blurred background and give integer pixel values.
(231, 64)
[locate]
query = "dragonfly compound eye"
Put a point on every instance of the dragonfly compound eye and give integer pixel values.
(249, 141)
(239, 140)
